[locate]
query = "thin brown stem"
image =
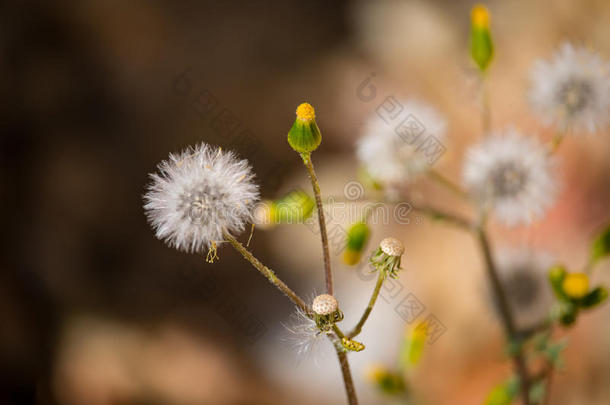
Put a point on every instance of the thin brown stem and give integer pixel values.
(350, 390)
(323, 233)
(505, 313)
(268, 273)
(358, 328)
(485, 104)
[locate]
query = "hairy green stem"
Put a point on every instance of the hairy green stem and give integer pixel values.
(358, 328)
(323, 233)
(485, 104)
(268, 273)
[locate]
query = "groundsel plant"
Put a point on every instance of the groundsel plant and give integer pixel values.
(205, 196)
(509, 176)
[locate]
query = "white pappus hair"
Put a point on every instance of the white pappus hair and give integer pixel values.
(197, 195)
(513, 175)
(572, 90)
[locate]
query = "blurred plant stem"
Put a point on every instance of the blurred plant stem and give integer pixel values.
(323, 233)
(445, 182)
(505, 313)
(485, 104)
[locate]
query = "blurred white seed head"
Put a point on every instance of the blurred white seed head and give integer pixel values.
(392, 247)
(392, 153)
(324, 304)
(572, 89)
(197, 194)
(513, 174)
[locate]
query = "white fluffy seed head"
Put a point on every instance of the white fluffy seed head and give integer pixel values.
(392, 151)
(324, 304)
(392, 247)
(197, 195)
(572, 90)
(513, 174)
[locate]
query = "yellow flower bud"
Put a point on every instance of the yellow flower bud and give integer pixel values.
(576, 285)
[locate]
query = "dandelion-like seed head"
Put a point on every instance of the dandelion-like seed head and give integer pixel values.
(387, 257)
(197, 195)
(523, 274)
(390, 150)
(572, 90)
(392, 247)
(513, 174)
(324, 304)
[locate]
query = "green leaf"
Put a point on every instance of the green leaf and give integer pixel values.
(537, 391)
(600, 247)
(594, 297)
(504, 393)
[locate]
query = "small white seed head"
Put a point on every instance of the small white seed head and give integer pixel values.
(392, 247)
(324, 304)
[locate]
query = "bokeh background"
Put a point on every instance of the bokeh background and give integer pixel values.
(97, 311)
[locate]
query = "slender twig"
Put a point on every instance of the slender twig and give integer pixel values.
(347, 377)
(268, 273)
(323, 234)
(485, 104)
(445, 182)
(505, 313)
(358, 328)
(451, 218)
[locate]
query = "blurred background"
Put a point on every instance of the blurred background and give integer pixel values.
(96, 310)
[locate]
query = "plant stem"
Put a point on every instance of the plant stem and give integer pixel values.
(435, 175)
(485, 107)
(347, 377)
(505, 312)
(358, 328)
(323, 234)
(436, 214)
(268, 273)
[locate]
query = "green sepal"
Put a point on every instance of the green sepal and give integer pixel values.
(594, 297)
(304, 136)
(568, 311)
(481, 47)
(556, 276)
(600, 247)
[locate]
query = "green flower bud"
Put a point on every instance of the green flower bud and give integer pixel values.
(304, 136)
(357, 236)
(481, 45)
(293, 208)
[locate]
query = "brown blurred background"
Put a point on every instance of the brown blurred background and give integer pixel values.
(95, 310)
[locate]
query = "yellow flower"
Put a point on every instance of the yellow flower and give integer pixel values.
(305, 112)
(479, 16)
(351, 257)
(576, 285)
